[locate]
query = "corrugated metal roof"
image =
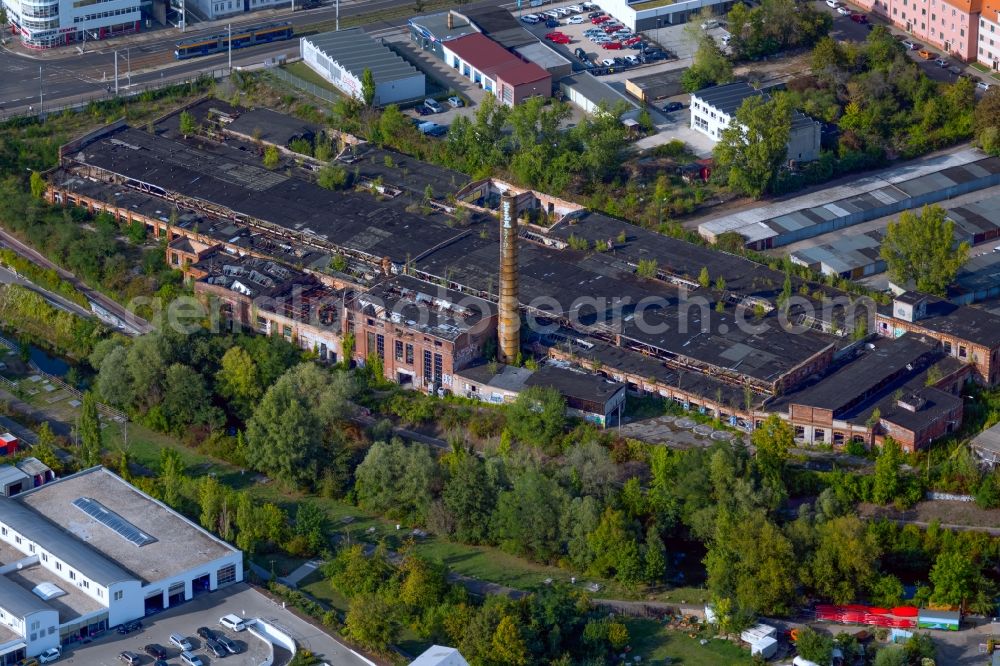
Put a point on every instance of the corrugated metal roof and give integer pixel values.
(356, 51)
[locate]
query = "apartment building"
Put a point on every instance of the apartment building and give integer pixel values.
(48, 23)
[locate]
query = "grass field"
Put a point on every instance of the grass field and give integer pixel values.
(303, 71)
(657, 644)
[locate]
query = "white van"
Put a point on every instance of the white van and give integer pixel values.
(233, 622)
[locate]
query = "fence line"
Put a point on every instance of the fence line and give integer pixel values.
(304, 85)
(104, 95)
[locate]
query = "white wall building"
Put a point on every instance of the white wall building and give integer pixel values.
(640, 16)
(712, 109)
(342, 57)
(988, 51)
(90, 552)
(48, 23)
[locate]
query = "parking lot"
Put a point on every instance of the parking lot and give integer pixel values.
(205, 611)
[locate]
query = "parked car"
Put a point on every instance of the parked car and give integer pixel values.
(670, 107)
(129, 627)
(191, 659)
(50, 655)
(843, 11)
(593, 15)
(553, 35)
(433, 105)
(432, 129)
(941, 62)
(580, 53)
(227, 643)
(213, 647)
(925, 54)
(205, 632)
(833, 4)
(598, 20)
(574, 20)
(608, 62)
(858, 17)
(551, 23)
(156, 651)
(562, 39)
(982, 85)
(160, 662)
(612, 46)
(455, 102)
(709, 24)
(530, 19)
(632, 40)
(910, 45)
(129, 658)
(576, 9)
(180, 641)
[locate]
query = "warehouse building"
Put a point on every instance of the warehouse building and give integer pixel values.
(585, 91)
(342, 57)
(652, 14)
(852, 257)
(652, 87)
(713, 109)
(496, 70)
(868, 198)
(543, 56)
(90, 551)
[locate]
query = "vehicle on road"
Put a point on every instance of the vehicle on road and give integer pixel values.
(670, 107)
(50, 655)
(833, 4)
(433, 105)
(910, 45)
(213, 647)
(455, 102)
(227, 643)
(129, 658)
(242, 38)
(941, 62)
(982, 85)
(180, 641)
(191, 659)
(843, 11)
(858, 17)
(156, 651)
(129, 627)
(925, 54)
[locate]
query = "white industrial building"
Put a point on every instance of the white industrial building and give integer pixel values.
(49, 23)
(88, 552)
(342, 57)
(653, 14)
(591, 95)
(712, 109)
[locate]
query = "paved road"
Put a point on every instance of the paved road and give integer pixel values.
(137, 323)
(7, 277)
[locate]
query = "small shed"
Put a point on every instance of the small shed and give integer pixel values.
(765, 647)
(986, 445)
(591, 95)
(651, 87)
(8, 444)
(546, 58)
(758, 633)
(938, 619)
(13, 481)
(38, 472)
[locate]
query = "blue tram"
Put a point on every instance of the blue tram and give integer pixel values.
(243, 37)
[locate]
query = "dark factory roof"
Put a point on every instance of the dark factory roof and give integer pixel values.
(972, 324)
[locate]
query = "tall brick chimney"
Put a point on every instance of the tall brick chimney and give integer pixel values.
(508, 333)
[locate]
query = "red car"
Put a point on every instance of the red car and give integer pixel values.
(598, 20)
(859, 18)
(561, 39)
(554, 35)
(632, 40)
(613, 46)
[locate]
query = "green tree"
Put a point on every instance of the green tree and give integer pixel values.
(238, 381)
(920, 248)
(372, 621)
(704, 279)
(272, 157)
(656, 555)
(368, 87)
(91, 438)
(310, 526)
(887, 484)
(171, 476)
(291, 434)
(887, 591)
(709, 67)
(396, 480)
(527, 518)
(987, 121)
(211, 499)
(187, 124)
(537, 417)
(332, 177)
(815, 646)
(470, 495)
(45, 448)
(509, 646)
(955, 578)
(755, 145)
(844, 563)
(773, 440)
(38, 185)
